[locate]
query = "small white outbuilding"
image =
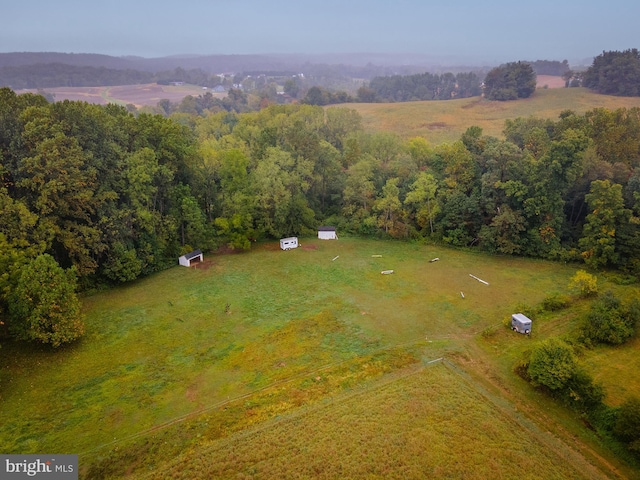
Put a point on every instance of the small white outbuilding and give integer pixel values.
(188, 259)
(327, 233)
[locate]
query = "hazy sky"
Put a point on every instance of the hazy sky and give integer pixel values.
(493, 30)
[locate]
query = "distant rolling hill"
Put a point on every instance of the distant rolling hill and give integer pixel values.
(366, 64)
(139, 95)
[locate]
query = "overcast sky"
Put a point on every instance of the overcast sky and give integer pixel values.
(490, 30)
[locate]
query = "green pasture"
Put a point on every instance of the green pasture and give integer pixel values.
(616, 369)
(446, 120)
(193, 355)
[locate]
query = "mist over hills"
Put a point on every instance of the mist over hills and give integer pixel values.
(31, 70)
(232, 63)
(23, 70)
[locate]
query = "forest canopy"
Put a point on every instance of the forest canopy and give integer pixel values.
(615, 73)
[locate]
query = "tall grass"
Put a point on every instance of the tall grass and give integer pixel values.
(428, 424)
(446, 120)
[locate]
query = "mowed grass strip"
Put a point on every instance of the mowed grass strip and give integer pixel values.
(446, 120)
(430, 424)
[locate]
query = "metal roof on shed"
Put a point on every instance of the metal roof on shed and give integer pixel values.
(194, 254)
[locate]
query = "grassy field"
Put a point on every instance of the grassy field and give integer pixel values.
(139, 95)
(188, 358)
(612, 367)
(446, 120)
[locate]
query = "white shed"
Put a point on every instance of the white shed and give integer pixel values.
(327, 233)
(193, 257)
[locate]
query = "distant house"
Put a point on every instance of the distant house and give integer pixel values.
(188, 259)
(327, 233)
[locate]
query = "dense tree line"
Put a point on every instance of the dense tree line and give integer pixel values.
(510, 81)
(424, 86)
(615, 73)
(60, 75)
(110, 196)
(320, 96)
(235, 101)
(506, 82)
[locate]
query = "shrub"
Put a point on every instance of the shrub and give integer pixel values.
(582, 393)
(521, 368)
(526, 310)
(552, 364)
(609, 321)
(584, 284)
(555, 302)
(627, 424)
(488, 332)
(621, 279)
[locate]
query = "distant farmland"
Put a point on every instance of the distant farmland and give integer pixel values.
(139, 95)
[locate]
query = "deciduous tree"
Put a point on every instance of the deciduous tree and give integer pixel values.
(599, 238)
(421, 199)
(44, 306)
(389, 208)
